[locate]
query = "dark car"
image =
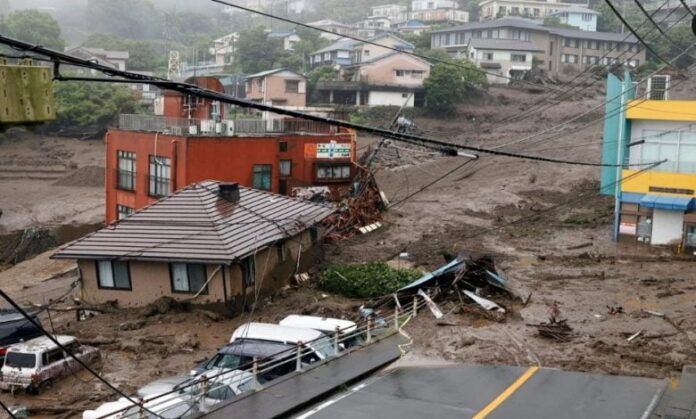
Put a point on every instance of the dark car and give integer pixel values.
(15, 328)
(240, 355)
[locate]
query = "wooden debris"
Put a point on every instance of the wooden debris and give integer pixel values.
(554, 329)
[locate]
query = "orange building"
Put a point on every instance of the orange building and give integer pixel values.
(149, 156)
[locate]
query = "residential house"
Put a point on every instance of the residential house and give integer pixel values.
(152, 156)
(336, 54)
(396, 13)
(114, 59)
(366, 51)
(339, 29)
(657, 206)
(557, 49)
(214, 244)
(508, 59)
(372, 26)
(438, 11)
(224, 49)
(539, 9)
(580, 17)
(391, 79)
(413, 26)
(289, 39)
(278, 87)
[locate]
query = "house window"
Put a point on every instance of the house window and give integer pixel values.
(518, 58)
(262, 177)
(123, 211)
(126, 170)
(249, 271)
(292, 86)
(366, 53)
(417, 74)
(570, 42)
(400, 73)
(188, 278)
(333, 172)
(283, 146)
(112, 274)
(286, 167)
(569, 58)
(160, 175)
(536, 12)
(488, 56)
(589, 59)
(679, 148)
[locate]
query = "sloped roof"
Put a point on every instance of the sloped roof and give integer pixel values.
(270, 72)
(503, 44)
(195, 224)
(389, 55)
(341, 44)
(280, 34)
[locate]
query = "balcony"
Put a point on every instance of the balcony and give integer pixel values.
(223, 128)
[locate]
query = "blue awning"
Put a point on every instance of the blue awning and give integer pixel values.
(674, 203)
(631, 197)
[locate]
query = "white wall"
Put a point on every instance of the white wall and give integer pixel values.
(667, 227)
(388, 98)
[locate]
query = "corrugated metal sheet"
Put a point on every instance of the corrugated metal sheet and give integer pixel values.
(196, 225)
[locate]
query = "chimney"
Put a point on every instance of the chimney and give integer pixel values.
(229, 191)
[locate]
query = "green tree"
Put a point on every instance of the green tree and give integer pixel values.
(36, 27)
(127, 18)
(448, 85)
(682, 38)
(91, 107)
(255, 52)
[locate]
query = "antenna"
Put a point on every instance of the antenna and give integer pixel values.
(174, 66)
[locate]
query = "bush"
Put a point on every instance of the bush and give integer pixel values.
(367, 280)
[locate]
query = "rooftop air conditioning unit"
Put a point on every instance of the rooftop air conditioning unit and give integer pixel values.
(658, 86)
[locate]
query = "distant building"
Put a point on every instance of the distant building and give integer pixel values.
(658, 206)
(338, 28)
(580, 17)
(556, 49)
(510, 59)
(538, 9)
(278, 87)
(114, 59)
(289, 39)
(151, 156)
(372, 26)
(336, 54)
(224, 49)
(418, 5)
(378, 76)
(438, 11)
(210, 243)
(396, 13)
(413, 26)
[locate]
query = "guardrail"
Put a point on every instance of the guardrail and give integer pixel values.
(223, 128)
(187, 400)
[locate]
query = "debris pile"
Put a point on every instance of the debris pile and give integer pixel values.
(554, 329)
(361, 208)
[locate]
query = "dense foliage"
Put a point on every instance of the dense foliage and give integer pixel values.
(448, 85)
(86, 109)
(367, 280)
(34, 26)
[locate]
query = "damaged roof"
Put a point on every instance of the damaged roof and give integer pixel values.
(196, 224)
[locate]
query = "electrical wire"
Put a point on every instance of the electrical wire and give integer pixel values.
(55, 341)
(429, 184)
(7, 409)
(687, 7)
(355, 38)
(633, 31)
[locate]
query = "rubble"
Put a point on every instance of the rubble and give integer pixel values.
(362, 207)
(554, 329)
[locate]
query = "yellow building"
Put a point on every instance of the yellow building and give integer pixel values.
(659, 207)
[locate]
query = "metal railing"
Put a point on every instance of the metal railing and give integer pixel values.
(221, 128)
(190, 395)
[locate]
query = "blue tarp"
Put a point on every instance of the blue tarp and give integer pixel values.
(451, 267)
(673, 203)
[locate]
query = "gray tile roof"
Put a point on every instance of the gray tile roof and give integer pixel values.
(524, 23)
(196, 225)
(504, 44)
(341, 44)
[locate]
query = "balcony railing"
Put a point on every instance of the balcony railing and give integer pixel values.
(223, 128)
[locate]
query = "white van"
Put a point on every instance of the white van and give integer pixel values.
(328, 326)
(320, 344)
(38, 362)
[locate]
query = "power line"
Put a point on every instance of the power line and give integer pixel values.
(38, 326)
(628, 25)
(686, 6)
(429, 184)
(7, 409)
(355, 38)
(535, 108)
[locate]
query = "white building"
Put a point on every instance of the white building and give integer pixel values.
(397, 13)
(224, 48)
(538, 9)
(580, 17)
(289, 39)
(506, 58)
(417, 5)
(338, 28)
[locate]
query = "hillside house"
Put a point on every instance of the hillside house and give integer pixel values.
(278, 87)
(211, 243)
(580, 17)
(508, 59)
(115, 59)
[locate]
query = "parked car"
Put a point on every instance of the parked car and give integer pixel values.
(216, 386)
(321, 345)
(328, 326)
(241, 353)
(38, 362)
(15, 328)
